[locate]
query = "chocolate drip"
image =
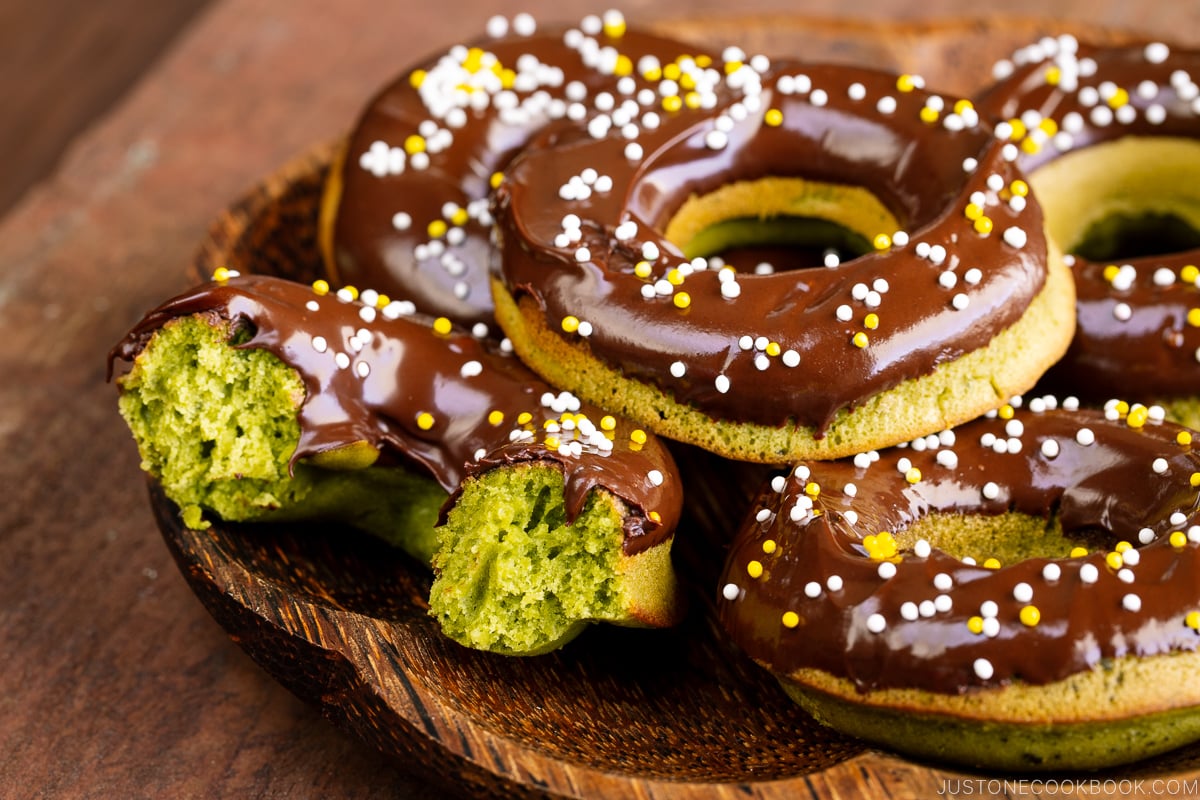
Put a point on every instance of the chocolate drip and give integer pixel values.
(446, 403)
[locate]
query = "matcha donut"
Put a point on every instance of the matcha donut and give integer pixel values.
(1022, 593)
(959, 304)
(406, 203)
(255, 398)
(1109, 137)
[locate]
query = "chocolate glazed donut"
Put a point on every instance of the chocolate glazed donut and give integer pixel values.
(406, 207)
(958, 301)
(1109, 138)
(1023, 592)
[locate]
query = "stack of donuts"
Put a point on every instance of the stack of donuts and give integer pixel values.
(971, 349)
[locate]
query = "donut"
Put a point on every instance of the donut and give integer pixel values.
(406, 204)
(259, 399)
(1020, 593)
(958, 304)
(1108, 136)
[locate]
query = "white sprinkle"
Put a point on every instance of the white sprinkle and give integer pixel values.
(1125, 575)
(1088, 573)
(812, 589)
(983, 669)
(886, 105)
(1050, 448)
(1193, 534)
(401, 221)
(1131, 602)
(922, 549)
(363, 369)
(947, 279)
(1015, 237)
(722, 383)
(583, 255)
(991, 627)
(1178, 518)
(1164, 276)
(1146, 535)
(716, 140)
(960, 301)
(927, 608)
(791, 358)
(1014, 427)
(909, 611)
(834, 583)
(342, 360)
(471, 368)
(942, 603)
(876, 623)
(655, 477)
(988, 608)
(1051, 572)
(649, 251)
(1122, 312)
(845, 313)
(1157, 52)
(1022, 592)
(1131, 557)
(1160, 466)
(887, 570)
(731, 591)
(678, 369)
(1085, 436)
(973, 276)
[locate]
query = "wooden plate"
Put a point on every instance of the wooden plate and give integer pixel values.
(340, 619)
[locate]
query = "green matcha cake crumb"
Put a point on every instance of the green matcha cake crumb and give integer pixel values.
(513, 576)
(216, 426)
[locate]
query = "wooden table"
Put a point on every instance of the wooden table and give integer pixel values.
(114, 681)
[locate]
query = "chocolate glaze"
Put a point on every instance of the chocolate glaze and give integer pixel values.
(371, 251)
(915, 167)
(1109, 487)
(1153, 353)
(411, 370)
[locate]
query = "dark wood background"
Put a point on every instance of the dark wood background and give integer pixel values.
(125, 127)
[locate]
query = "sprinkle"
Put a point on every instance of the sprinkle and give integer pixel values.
(991, 563)
(1022, 592)
(1085, 437)
(887, 570)
(983, 669)
(722, 383)
(790, 619)
(860, 340)
(812, 589)
(442, 325)
(1030, 616)
(1160, 466)
(754, 569)
(731, 591)
(1131, 602)
(1178, 539)
(637, 436)
(1050, 448)
(991, 491)
(834, 583)
(425, 420)
(1051, 572)
(319, 344)
(1088, 573)
(876, 623)
(975, 625)
(1192, 620)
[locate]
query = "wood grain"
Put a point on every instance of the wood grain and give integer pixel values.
(342, 621)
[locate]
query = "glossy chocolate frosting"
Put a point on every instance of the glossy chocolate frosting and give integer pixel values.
(938, 289)
(1121, 478)
(1057, 95)
(445, 403)
(467, 111)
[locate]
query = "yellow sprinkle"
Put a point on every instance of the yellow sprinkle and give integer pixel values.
(382, 301)
(642, 269)
(992, 563)
(882, 241)
(570, 323)
(1030, 616)
(496, 179)
(623, 67)
(906, 83)
(963, 106)
(672, 71)
(1048, 126)
(1178, 539)
(1031, 146)
(1192, 620)
(1123, 547)
(437, 228)
(416, 78)
(1018, 129)
(1114, 560)
(1078, 552)
(1120, 98)
(460, 217)
(1006, 411)
(638, 436)
(653, 73)
(1194, 480)
(442, 325)
(1189, 273)
(352, 291)
(524, 418)
(703, 61)
(975, 625)
(508, 78)
(983, 225)
(754, 569)
(672, 102)
(1053, 75)
(790, 619)
(769, 546)
(424, 420)
(773, 117)
(414, 144)
(693, 100)
(1183, 438)
(474, 59)
(1193, 317)
(1111, 272)
(496, 417)
(973, 211)
(220, 274)
(732, 67)
(1122, 407)
(860, 340)
(552, 442)
(608, 423)
(913, 475)
(1019, 188)
(929, 115)
(1137, 416)
(655, 516)
(614, 26)
(320, 287)
(682, 299)
(773, 349)
(812, 489)
(675, 277)
(687, 81)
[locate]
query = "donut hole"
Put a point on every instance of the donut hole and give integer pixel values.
(1008, 538)
(1123, 199)
(787, 222)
